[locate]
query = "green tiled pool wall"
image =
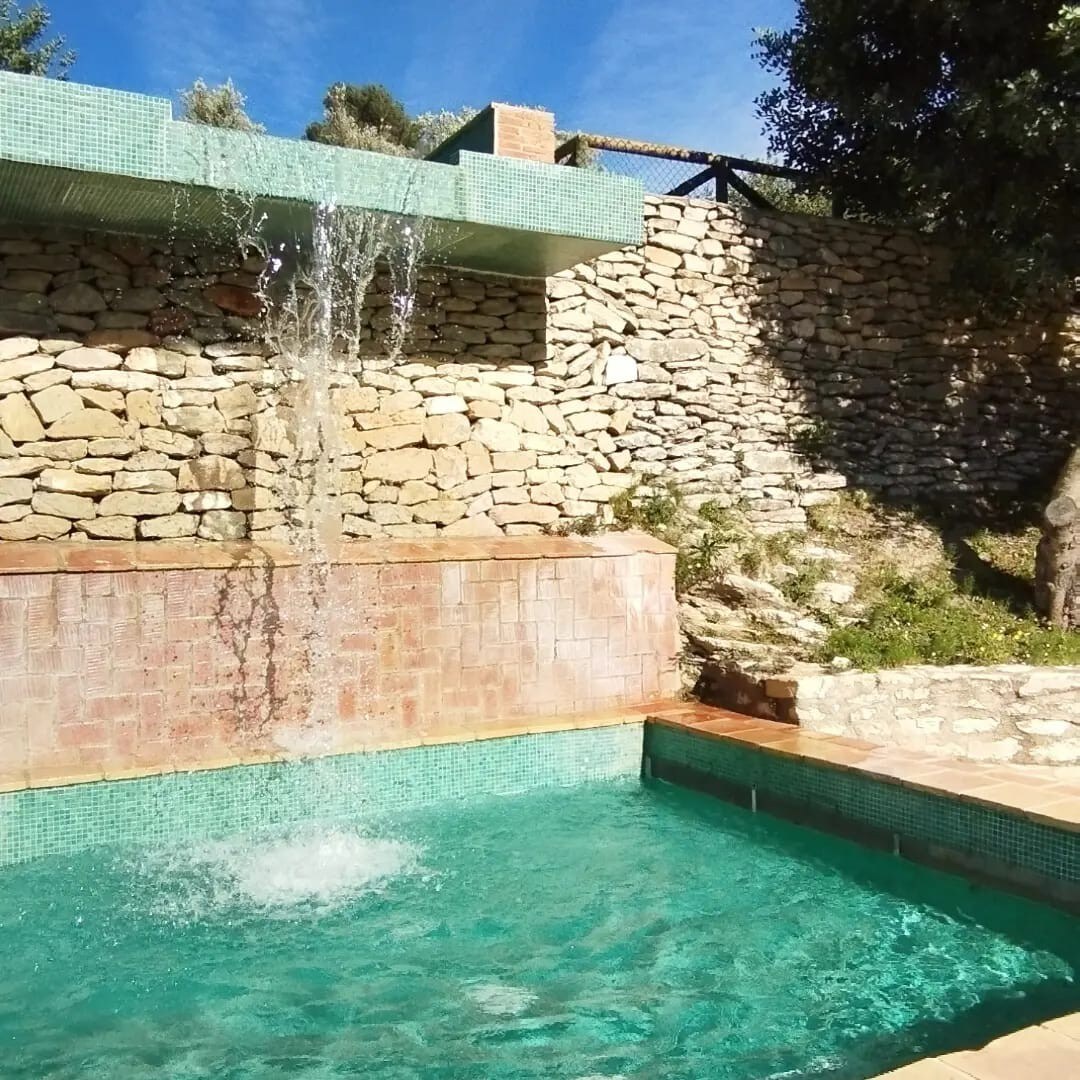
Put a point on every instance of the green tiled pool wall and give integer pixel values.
(971, 831)
(514, 194)
(131, 137)
(179, 806)
(75, 126)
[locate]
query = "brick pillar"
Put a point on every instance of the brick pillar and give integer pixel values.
(524, 133)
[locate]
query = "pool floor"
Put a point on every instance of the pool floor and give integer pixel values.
(608, 930)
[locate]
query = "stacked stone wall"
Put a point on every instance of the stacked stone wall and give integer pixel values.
(1006, 713)
(760, 360)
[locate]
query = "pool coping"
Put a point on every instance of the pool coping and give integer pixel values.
(112, 556)
(1047, 1050)
(999, 787)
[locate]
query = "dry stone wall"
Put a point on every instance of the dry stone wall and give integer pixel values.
(1006, 713)
(759, 360)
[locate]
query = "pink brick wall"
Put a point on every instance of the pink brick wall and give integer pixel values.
(524, 133)
(109, 669)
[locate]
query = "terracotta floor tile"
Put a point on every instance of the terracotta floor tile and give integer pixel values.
(1035, 1053)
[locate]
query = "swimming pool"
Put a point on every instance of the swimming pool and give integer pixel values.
(610, 929)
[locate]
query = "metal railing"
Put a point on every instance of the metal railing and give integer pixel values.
(673, 170)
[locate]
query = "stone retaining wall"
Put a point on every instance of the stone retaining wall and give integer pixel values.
(760, 360)
(1006, 713)
(119, 657)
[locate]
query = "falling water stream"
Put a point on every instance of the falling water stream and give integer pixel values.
(318, 324)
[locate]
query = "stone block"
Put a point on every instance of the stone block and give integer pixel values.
(74, 483)
(447, 429)
(138, 504)
(15, 490)
(36, 527)
(169, 527)
(55, 402)
(396, 466)
(87, 424)
(108, 528)
(60, 505)
(497, 435)
(222, 525)
(19, 420)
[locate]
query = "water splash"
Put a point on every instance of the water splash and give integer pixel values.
(311, 869)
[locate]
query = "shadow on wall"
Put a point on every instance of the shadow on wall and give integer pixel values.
(906, 392)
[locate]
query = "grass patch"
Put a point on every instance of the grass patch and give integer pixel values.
(936, 620)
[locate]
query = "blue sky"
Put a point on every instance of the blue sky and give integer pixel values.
(662, 70)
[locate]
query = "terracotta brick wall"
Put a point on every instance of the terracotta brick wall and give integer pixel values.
(524, 133)
(151, 657)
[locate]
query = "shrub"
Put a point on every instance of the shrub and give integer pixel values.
(216, 106)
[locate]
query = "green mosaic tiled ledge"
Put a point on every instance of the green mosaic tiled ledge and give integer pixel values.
(179, 806)
(98, 158)
(932, 827)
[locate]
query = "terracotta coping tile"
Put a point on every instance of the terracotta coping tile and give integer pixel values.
(29, 557)
(49, 556)
(12, 782)
(62, 777)
(722, 726)
(105, 556)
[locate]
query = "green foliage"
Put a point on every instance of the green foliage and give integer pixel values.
(365, 117)
(799, 587)
(22, 49)
(933, 620)
(956, 116)
(653, 512)
(813, 439)
(217, 106)
(786, 196)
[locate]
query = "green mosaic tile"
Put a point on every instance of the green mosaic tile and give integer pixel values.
(550, 198)
(128, 165)
(178, 806)
(918, 815)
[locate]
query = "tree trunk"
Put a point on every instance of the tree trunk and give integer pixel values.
(1057, 560)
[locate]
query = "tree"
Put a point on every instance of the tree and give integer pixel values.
(434, 128)
(962, 118)
(365, 117)
(218, 106)
(959, 117)
(22, 49)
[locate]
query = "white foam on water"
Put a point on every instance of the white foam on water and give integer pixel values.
(307, 869)
(499, 999)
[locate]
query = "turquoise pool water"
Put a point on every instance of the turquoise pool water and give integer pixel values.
(609, 930)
